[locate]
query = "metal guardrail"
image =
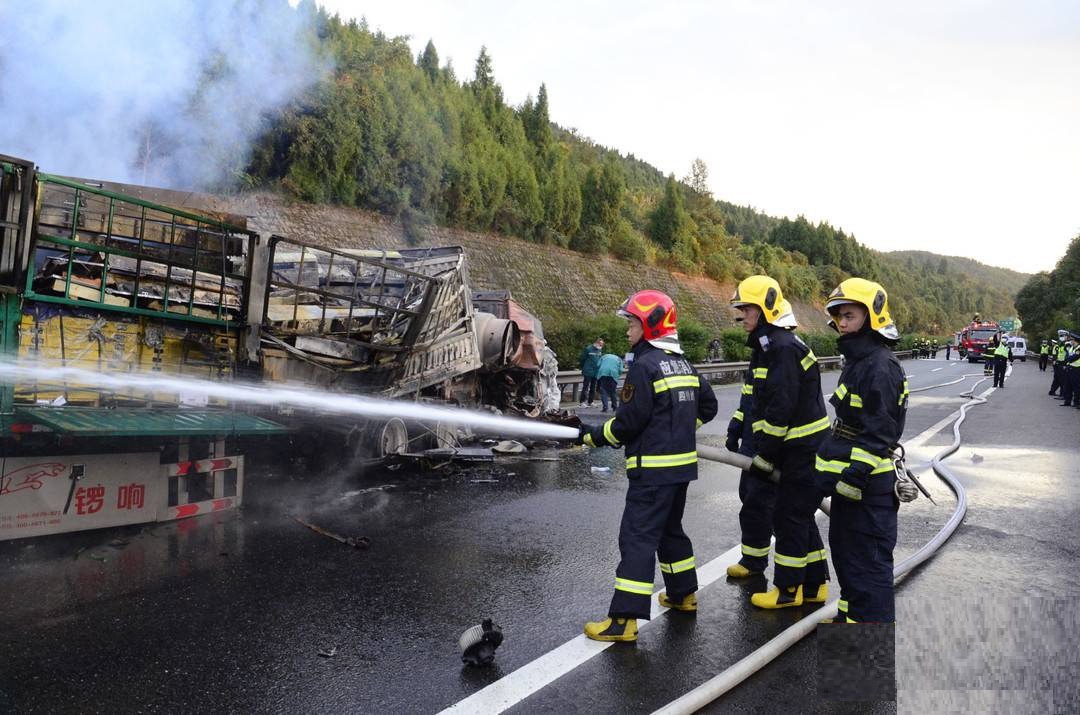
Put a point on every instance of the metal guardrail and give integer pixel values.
(715, 372)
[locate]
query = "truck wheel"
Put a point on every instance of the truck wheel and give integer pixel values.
(393, 438)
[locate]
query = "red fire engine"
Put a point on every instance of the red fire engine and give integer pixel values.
(974, 339)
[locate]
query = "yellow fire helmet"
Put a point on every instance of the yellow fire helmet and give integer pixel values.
(764, 292)
(869, 295)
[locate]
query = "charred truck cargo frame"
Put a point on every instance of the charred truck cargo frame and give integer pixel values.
(102, 280)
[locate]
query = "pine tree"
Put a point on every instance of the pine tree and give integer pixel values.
(429, 61)
(669, 222)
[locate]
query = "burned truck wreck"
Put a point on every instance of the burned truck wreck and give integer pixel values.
(98, 279)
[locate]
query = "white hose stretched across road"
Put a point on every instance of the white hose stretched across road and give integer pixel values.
(740, 671)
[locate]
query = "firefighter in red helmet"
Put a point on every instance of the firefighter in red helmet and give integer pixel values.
(661, 405)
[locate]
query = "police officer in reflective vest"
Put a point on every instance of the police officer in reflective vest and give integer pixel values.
(1070, 384)
(1074, 370)
(787, 423)
(1059, 363)
(854, 465)
(1002, 354)
(661, 405)
(1044, 355)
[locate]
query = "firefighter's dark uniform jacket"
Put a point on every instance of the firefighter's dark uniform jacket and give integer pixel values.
(787, 408)
(661, 405)
(854, 464)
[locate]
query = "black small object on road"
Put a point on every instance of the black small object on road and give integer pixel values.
(478, 644)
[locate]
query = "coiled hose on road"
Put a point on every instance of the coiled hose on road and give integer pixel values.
(740, 671)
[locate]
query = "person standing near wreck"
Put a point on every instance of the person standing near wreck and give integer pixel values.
(589, 360)
(662, 404)
(607, 379)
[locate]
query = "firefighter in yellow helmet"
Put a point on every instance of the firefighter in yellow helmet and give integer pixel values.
(853, 464)
(780, 423)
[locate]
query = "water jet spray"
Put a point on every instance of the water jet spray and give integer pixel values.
(296, 396)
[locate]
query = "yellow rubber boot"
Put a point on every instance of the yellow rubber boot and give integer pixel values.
(777, 598)
(821, 596)
(623, 630)
(740, 571)
(687, 603)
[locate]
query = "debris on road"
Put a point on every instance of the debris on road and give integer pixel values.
(328, 653)
(508, 446)
(478, 644)
(357, 542)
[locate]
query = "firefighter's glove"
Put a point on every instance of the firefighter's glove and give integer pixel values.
(761, 467)
(905, 491)
(583, 436)
(732, 443)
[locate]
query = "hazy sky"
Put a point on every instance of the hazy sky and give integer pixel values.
(948, 125)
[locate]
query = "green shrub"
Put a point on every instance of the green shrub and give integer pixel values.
(590, 239)
(694, 338)
(734, 345)
(823, 344)
(627, 244)
(568, 337)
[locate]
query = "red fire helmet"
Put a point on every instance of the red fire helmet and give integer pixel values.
(655, 310)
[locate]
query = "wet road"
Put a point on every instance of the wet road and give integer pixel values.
(230, 613)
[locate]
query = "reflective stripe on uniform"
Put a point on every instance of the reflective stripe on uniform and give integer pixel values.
(753, 551)
(678, 566)
(761, 373)
(748, 389)
(770, 429)
(653, 461)
(738, 415)
(807, 429)
(845, 489)
(830, 465)
(841, 605)
(673, 383)
(641, 587)
(904, 394)
(841, 391)
(880, 465)
(608, 434)
(795, 562)
(856, 400)
(861, 455)
(589, 440)
(698, 423)
(809, 360)
(815, 556)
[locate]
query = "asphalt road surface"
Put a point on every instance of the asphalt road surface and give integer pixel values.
(249, 611)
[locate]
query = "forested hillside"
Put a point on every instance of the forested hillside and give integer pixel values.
(406, 136)
(1050, 301)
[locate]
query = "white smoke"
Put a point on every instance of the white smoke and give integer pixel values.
(167, 93)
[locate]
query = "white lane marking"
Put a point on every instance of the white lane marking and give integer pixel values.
(511, 689)
(937, 368)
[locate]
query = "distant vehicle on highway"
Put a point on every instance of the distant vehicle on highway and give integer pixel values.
(1019, 348)
(974, 339)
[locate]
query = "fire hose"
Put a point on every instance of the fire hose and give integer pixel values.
(740, 671)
